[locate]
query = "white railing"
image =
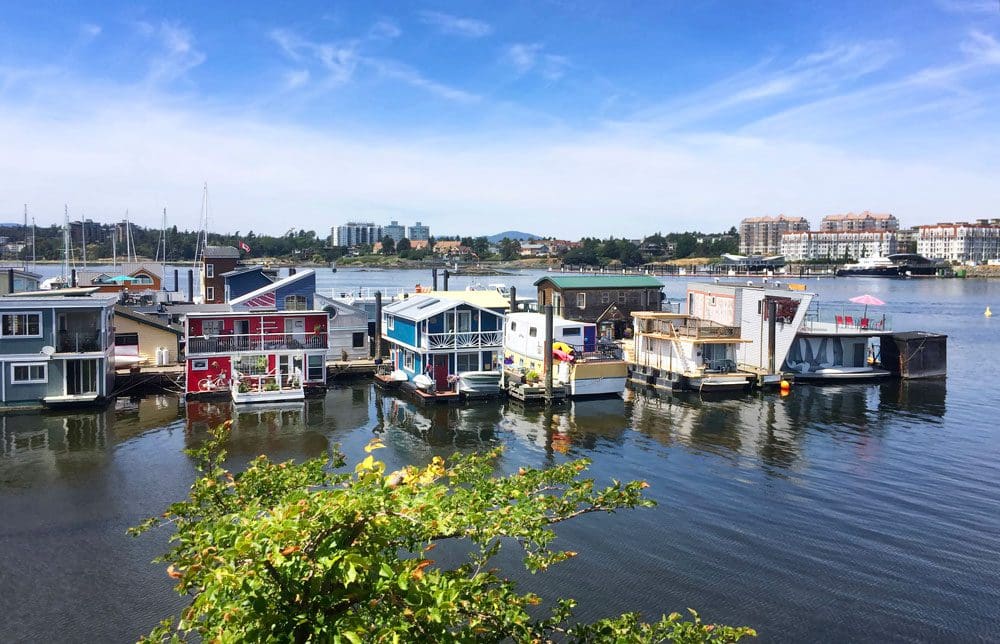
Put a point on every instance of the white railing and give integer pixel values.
(462, 340)
(254, 342)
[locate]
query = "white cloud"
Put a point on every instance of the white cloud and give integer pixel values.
(982, 48)
(406, 74)
(455, 25)
(338, 60)
(89, 31)
(296, 78)
(527, 57)
(385, 29)
(176, 54)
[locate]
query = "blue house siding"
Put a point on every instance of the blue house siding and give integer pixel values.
(305, 287)
(246, 282)
(404, 331)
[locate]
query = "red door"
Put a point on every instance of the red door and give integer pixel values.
(441, 373)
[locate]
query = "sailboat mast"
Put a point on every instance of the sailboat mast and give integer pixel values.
(65, 271)
(83, 238)
(114, 248)
(32, 240)
(163, 239)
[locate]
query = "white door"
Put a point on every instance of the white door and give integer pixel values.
(296, 329)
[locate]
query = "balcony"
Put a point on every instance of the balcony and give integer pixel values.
(462, 340)
(235, 343)
(846, 322)
(684, 326)
(78, 341)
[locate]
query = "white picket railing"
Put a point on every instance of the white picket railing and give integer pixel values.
(463, 340)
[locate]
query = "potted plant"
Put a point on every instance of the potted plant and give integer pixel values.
(271, 386)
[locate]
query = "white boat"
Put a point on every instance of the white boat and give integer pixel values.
(479, 384)
(423, 382)
(580, 362)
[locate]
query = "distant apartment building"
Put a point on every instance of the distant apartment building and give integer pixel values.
(961, 242)
(852, 222)
(394, 230)
(356, 233)
(906, 239)
(762, 235)
(418, 232)
(837, 246)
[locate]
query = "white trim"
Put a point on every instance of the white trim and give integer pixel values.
(18, 336)
(31, 381)
(195, 362)
(209, 271)
(209, 292)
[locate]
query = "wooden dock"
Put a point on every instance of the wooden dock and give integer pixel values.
(535, 393)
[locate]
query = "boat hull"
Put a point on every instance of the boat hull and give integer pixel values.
(479, 384)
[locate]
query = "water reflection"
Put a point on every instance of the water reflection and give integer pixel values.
(773, 429)
(574, 427)
(460, 426)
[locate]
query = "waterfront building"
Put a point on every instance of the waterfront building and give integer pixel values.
(348, 329)
(56, 348)
(747, 308)
(964, 242)
(418, 232)
(356, 233)
(440, 338)
(18, 280)
(138, 338)
(394, 230)
(854, 222)
(837, 246)
(535, 249)
(762, 235)
(217, 261)
(131, 277)
(244, 279)
(605, 300)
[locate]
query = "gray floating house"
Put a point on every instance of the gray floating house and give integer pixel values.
(56, 347)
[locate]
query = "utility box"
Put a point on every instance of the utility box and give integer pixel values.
(916, 354)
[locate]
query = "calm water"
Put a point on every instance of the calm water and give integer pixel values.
(866, 512)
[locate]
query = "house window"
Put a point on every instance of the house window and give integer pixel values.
(571, 331)
(390, 322)
(252, 365)
(210, 293)
(21, 325)
(29, 373)
(358, 339)
(209, 270)
(408, 360)
(145, 280)
(513, 326)
(533, 332)
(622, 296)
(581, 300)
(316, 368)
(605, 297)
(211, 327)
(199, 365)
(466, 362)
(295, 303)
(127, 339)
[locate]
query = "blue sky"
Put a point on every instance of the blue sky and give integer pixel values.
(562, 118)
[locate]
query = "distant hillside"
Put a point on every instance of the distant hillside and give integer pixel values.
(511, 234)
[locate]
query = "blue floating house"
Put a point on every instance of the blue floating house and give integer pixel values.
(297, 292)
(442, 338)
(56, 347)
(246, 279)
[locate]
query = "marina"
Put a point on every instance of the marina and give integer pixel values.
(790, 449)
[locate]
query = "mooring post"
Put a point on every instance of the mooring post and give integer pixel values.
(434, 279)
(191, 285)
(177, 283)
(513, 299)
(378, 325)
(772, 314)
(446, 276)
(548, 354)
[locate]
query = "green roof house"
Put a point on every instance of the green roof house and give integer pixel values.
(605, 300)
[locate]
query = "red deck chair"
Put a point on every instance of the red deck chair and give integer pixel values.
(864, 323)
(840, 320)
(849, 321)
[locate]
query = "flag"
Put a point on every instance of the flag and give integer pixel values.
(244, 247)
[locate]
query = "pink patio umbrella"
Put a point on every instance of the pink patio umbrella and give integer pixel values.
(867, 300)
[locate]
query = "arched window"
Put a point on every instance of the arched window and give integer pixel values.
(295, 303)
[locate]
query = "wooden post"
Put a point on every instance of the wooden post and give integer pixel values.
(434, 279)
(378, 325)
(446, 276)
(513, 299)
(548, 354)
(772, 314)
(177, 284)
(190, 285)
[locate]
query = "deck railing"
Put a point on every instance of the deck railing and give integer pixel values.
(689, 327)
(844, 320)
(463, 340)
(254, 342)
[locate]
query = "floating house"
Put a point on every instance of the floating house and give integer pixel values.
(836, 343)
(271, 346)
(217, 261)
(433, 341)
(681, 352)
(347, 330)
(765, 340)
(245, 279)
(142, 339)
(605, 300)
(580, 362)
(132, 277)
(56, 348)
(18, 280)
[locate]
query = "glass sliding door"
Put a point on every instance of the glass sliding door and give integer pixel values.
(81, 377)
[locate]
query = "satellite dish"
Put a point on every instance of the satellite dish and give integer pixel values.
(47, 350)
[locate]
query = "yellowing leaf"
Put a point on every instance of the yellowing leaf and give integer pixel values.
(373, 445)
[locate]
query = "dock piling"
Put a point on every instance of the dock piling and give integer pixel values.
(772, 314)
(446, 276)
(513, 299)
(548, 354)
(378, 325)
(434, 279)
